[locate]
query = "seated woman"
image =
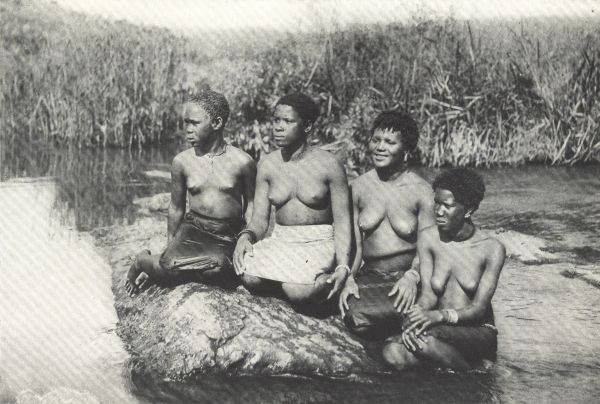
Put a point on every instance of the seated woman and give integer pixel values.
(391, 203)
(220, 182)
(452, 324)
(306, 257)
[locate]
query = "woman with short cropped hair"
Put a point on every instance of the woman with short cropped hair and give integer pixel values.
(452, 323)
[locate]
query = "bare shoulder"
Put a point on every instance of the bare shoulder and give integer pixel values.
(324, 157)
(491, 245)
(182, 159)
(495, 248)
(418, 182)
(240, 156)
(325, 163)
(183, 155)
(362, 181)
(269, 162)
(429, 236)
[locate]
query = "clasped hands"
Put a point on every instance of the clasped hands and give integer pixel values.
(416, 323)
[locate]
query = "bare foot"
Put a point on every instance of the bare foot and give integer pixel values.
(136, 278)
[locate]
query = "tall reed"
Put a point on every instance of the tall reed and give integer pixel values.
(482, 93)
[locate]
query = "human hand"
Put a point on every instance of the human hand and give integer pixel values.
(350, 289)
(242, 248)
(338, 278)
(413, 341)
(420, 320)
(406, 293)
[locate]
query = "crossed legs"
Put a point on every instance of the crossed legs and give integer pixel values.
(434, 351)
(296, 293)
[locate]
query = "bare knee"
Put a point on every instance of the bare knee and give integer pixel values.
(439, 352)
(299, 294)
(431, 347)
(252, 283)
(397, 356)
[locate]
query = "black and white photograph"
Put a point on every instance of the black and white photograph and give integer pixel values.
(299, 201)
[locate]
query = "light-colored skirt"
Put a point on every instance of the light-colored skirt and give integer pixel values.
(293, 254)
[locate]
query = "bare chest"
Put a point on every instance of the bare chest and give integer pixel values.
(395, 205)
(459, 265)
(211, 174)
(303, 181)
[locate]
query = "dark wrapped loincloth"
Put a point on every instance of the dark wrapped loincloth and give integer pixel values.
(201, 243)
(374, 316)
(474, 342)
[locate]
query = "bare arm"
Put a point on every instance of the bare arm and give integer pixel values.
(425, 219)
(475, 311)
(249, 178)
(259, 219)
(178, 195)
(358, 241)
(350, 287)
(261, 210)
(342, 236)
(428, 299)
(340, 207)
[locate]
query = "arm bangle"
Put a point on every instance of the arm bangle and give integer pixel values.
(415, 274)
(450, 315)
(346, 267)
(249, 233)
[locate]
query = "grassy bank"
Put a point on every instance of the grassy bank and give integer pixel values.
(483, 94)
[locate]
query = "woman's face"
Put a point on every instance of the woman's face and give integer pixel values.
(288, 127)
(449, 213)
(197, 124)
(387, 148)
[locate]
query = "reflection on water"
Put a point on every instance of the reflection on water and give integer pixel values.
(57, 329)
(95, 187)
(56, 304)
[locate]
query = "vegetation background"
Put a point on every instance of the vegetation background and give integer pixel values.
(484, 93)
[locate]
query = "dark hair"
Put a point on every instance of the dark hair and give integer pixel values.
(400, 122)
(305, 106)
(465, 184)
(215, 104)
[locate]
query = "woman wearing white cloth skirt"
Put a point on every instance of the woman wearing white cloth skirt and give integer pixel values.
(306, 257)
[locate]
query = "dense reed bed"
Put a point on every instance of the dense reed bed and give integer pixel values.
(71, 79)
(483, 93)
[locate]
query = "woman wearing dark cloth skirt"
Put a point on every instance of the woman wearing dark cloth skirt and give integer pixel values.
(452, 324)
(391, 204)
(219, 180)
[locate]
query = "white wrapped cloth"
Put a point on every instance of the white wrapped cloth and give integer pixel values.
(293, 254)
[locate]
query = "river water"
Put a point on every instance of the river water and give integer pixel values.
(57, 320)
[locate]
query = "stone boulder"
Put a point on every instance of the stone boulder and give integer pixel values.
(193, 329)
(158, 203)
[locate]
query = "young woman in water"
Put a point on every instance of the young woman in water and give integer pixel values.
(219, 180)
(391, 204)
(452, 324)
(306, 257)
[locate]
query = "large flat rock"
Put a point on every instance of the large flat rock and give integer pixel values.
(192, 329)
(195, 329)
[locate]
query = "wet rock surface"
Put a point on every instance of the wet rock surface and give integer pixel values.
(187, 330)
(154, 204)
